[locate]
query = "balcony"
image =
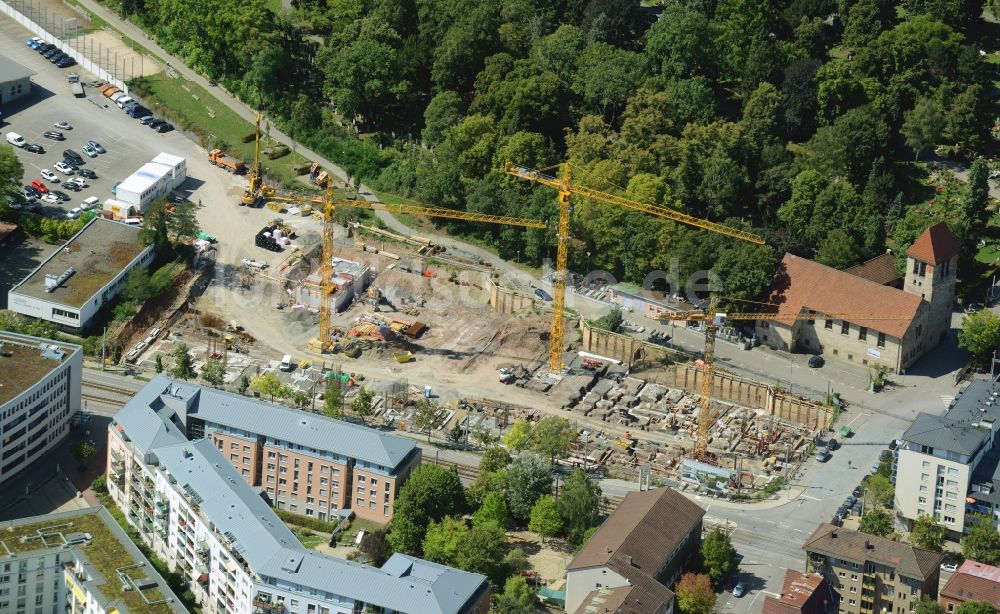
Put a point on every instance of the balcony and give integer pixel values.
(264, 606)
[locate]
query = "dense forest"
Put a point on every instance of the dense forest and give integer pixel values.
(800, 119)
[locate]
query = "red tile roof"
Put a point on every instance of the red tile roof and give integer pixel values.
(880, 269)
(800, 284)
(974, 582)
(935, 245)
(801, 593)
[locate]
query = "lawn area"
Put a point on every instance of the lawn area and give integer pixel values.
(191, 106)
(312, 540)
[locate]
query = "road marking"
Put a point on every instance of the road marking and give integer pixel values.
(811, 498)
(947, 399)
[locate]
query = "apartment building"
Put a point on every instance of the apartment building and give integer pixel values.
(801, 593)
(638, 552)
(948, 466)
(40, 391)
(973, 581)
(872, 574)
(306, 463)
(198, 512)
(78, 562)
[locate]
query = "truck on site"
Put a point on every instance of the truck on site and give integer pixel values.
(74, 84)
(254, 264)
(217, 157)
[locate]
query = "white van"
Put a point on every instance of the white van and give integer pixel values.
(118, 96)
(286, 362)
(16, 139)
(132, 221)
(89, 202)
(124, 100)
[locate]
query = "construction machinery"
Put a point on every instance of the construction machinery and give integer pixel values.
(257, 190)
(567, 187)
(713, 319)
(217, 157)
(328, 204)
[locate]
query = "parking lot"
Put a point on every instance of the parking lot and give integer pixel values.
(128, 143)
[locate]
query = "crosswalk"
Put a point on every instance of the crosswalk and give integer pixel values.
(947, 399)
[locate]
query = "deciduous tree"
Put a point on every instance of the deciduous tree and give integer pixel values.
(695, 594)
(269, 384)
(362, 404)
(923, 126)
(494, 458)
(545, 518)
(376, 545)
(929, 606)
(430, 493)
(981, 542)
(718, 555)
(214, 372)
(553, 437)
(876, 522)
(493, 510)
(578, 504)
(519, 435)
(928, 533)
(333, 399)
(976, 607)
(517, 597)
(529, 477)
(980, 334)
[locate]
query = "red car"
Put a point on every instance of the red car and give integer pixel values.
(38, 185)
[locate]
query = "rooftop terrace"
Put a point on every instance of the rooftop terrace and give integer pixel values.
(107, 551)
(23, 363)
(96, 254)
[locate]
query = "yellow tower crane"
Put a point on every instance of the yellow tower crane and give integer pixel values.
(329, 205)
(567, 187)
(713, 319)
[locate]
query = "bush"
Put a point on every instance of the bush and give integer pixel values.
(100, 484)
(306, 521)
(278, 151)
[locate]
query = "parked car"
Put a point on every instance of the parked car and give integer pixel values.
(38, 185)
(48, 175)
(857, 491)
(832, 444)
(63, 196)
(69, 154)
(57, 57)
(816, 361)
(949, 567)
(64, 168)
(850, 501)
(86, 172)
(147, 120)
(51, 51)
(97, 147)
(34, 148)
(55, 135)
(822, 455)
(80, 181)
(874, 468)
(893, 444)
(66, 62)
(837, 521)
(90, 151)
(30, 192)
(739, 590)
(74, 213)
(51, 198)
(542, 294)
(72, 187)
(164, 127)
(62, 125)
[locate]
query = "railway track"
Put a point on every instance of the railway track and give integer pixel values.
(103, 400)
(126, 392)
(466, 472)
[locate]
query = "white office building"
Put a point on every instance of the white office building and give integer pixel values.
(199, 515)
(152, 181)
(40, 384)
(78, 278)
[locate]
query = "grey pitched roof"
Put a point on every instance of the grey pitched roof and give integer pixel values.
(858, 547)
(958, 430)
(12, 71)
(227, 500)
(279, 422)
(403, 584)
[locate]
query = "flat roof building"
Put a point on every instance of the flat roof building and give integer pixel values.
(152, 181)
(194, 508)
(40, 388)
(79, 561)
(15, 80)
(78, 278)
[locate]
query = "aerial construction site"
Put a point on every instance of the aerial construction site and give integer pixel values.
(411, 318)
